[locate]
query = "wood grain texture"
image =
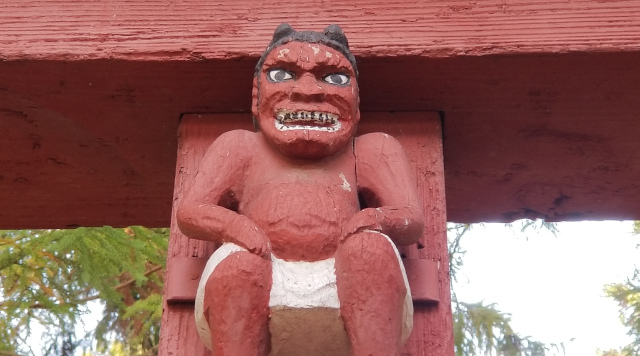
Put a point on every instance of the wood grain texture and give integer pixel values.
(540, 99)
(420, 135)
(178, 333)
(93, 143)
(197, 29)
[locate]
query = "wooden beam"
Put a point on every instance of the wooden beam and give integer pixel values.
(196, 29)
(93, 143)
(540, 98)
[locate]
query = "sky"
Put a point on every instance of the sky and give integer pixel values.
(552, 285)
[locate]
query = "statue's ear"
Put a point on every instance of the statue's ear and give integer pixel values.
(334, 33)
(282, 31)
(254, 96)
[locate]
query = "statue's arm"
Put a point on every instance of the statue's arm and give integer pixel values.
(389, 189)
(208, 209)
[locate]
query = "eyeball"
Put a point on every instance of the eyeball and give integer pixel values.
(279, 75)
(336, 79)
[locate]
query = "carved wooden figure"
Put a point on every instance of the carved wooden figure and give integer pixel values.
(308, 216)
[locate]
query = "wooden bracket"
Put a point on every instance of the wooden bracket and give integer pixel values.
(423, 280)
(184, 276)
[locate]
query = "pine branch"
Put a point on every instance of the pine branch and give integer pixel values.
(8, 353)
(13, 242)
(120, 286)
(93, 297)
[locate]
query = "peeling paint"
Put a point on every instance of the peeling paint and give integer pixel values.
(345, 184)
(283, 52)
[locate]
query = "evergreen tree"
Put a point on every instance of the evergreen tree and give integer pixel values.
(482, 329)
(627, 295)
(49, 276)
(613, 353)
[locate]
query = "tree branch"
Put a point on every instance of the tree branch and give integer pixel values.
(119, 286)
(8, 353)
(93, 297)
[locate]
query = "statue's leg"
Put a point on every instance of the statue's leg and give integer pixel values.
(372, 293)
(236, 305)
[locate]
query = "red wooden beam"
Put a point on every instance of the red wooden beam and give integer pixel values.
(540, 99)
(192, 30)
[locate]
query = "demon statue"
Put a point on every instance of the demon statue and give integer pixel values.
(308, 215)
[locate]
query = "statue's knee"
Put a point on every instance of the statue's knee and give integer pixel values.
(240, 269)
(369, 244)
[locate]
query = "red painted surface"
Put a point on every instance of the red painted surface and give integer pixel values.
(93, 143)
(371, 293)
(184, 280)
(540, 99)
(423, 280)
(420, 136)
(236, 305)
(193, 30)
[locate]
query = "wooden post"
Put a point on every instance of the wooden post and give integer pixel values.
(427, 263)
(420, 134)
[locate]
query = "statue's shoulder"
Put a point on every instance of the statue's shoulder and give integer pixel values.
(236, 143)
(376, 143)
(236, 136)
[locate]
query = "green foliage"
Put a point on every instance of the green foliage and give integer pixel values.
(49, 276)
(627, 295)
(613, 353)
(480, 328)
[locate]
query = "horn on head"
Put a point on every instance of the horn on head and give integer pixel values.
(334, 33)
(282, 31)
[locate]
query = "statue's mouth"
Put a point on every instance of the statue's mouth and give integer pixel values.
(307, 120)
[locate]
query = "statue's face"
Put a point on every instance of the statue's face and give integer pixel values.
(306, 100)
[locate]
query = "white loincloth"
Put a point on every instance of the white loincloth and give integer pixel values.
(297, 284)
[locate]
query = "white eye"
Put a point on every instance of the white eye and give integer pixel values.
(279, 75)
(336, 79)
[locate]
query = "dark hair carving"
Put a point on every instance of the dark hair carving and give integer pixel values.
(332, 36)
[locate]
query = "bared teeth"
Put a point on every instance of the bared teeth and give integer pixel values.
(292, 120)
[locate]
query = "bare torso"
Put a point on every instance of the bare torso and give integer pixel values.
(301, 206)
(248, 193)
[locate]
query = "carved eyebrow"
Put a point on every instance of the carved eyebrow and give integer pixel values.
(319, 67)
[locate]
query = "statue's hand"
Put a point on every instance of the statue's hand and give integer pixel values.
(252, 238)
(366, 219)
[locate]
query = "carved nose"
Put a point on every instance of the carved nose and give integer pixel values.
(307, 88)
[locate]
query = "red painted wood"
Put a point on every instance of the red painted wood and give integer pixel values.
(420, 135)
(184, 279)
(178, 333)
(93, 143)
(540, 99)
(197, 29)
(423, 280)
